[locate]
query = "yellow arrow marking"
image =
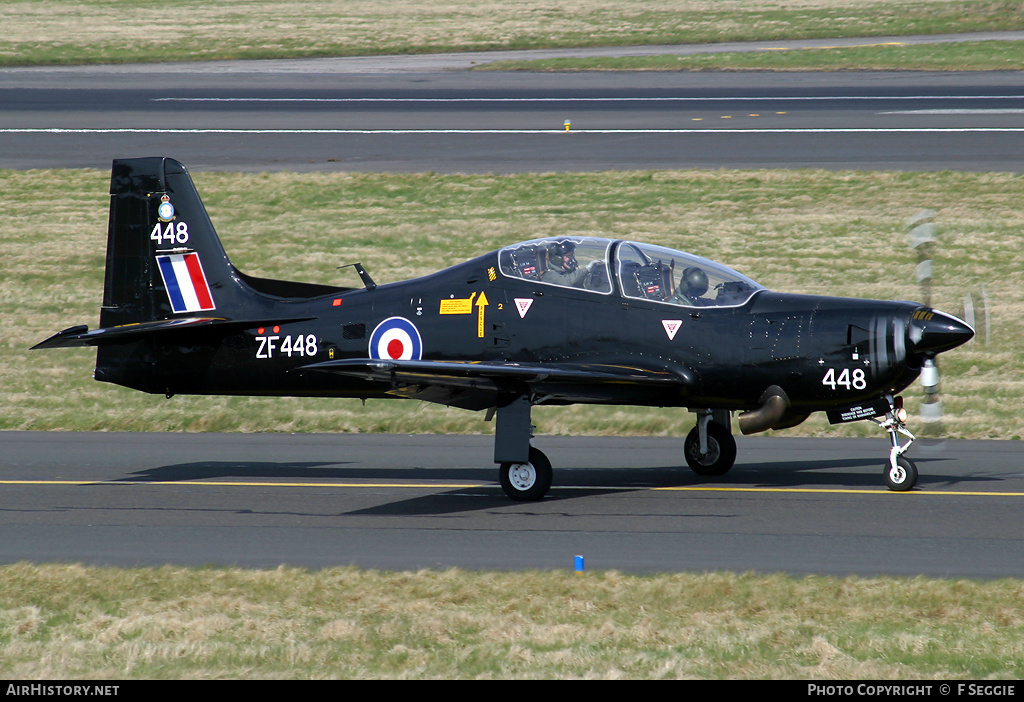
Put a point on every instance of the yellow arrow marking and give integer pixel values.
(481, 303)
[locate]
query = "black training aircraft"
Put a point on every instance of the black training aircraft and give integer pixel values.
(552, 321)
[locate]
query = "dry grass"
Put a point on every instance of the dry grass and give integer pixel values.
(72, 622)
(798, 231)
(966, 56)
(51, 31)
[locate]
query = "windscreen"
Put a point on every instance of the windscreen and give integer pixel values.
(656, 273)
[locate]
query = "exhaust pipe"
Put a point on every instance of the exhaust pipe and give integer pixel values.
(774, 404)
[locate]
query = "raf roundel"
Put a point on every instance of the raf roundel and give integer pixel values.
(396, 339)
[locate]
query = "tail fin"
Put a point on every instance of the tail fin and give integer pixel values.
(163, 255)
(164, 259)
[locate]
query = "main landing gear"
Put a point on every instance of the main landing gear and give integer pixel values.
(710, 448)
(523, 470)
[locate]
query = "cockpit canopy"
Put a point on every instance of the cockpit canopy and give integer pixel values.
(640, 271)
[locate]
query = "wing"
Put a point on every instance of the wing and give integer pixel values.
(477, 385)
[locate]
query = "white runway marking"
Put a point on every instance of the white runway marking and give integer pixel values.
(646, 98)
(811, 130)
(981, 111)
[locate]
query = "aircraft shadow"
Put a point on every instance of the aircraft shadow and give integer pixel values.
(297, 470)
(569, 483)
(805, 473)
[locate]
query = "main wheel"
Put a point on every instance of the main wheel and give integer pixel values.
(721, 451)
(526, 482)
(902, 477)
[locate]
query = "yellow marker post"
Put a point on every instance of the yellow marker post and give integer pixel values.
(568, 125)
(481, 303)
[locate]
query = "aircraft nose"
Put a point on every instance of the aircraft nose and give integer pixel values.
(931, 332)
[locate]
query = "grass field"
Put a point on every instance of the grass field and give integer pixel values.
(70, 622)
(120, 31)
(965, 56)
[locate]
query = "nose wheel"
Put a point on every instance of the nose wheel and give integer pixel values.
(902, 475)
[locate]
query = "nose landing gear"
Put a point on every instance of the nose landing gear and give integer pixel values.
(899, 472)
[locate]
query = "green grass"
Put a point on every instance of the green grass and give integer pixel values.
(966, 56)
(807, 231)
(49, 32)
(71, 622)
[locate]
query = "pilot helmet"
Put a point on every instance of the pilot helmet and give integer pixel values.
(558, 250)
(696, 281)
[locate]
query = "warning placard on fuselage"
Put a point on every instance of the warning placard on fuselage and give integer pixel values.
(878, 408)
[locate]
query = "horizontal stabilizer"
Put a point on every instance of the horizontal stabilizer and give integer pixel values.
(127, 333)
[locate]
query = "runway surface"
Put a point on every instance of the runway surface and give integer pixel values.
(399, 502)
(407, 502)
(419, 113)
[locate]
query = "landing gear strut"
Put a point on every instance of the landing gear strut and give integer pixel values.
(899, 472)
(523, 470)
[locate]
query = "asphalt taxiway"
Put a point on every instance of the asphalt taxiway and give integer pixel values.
(406, 502)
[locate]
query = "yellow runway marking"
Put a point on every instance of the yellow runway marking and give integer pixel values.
(456, 486)
(850, 491)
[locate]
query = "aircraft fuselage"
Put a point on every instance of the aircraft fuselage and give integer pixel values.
(821, 350)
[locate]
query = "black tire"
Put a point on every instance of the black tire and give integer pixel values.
(526, 482)
(721, 451)
(901, 478)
